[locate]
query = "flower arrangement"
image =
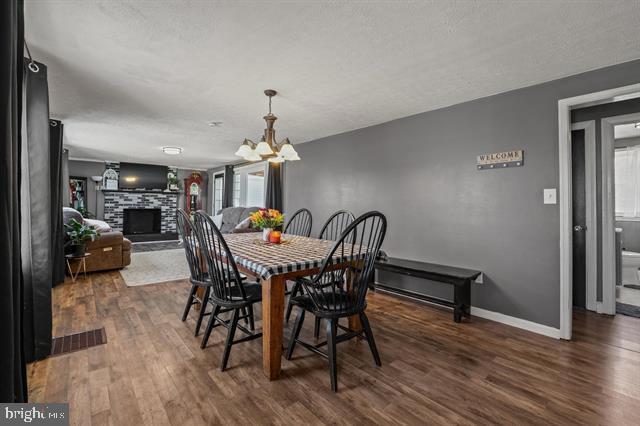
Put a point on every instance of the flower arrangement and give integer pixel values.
(266, 219)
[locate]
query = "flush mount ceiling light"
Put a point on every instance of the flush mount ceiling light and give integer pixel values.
(267, 147)
(215, 123)
(172, 150)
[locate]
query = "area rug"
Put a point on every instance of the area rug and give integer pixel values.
(155, 267)
(155, 246)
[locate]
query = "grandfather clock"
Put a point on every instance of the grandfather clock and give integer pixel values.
(193, 190)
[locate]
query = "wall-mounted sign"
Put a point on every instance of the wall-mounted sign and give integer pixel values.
(110, 179)
(501, 160)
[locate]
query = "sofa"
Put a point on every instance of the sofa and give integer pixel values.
(232, 216)
(109, 251)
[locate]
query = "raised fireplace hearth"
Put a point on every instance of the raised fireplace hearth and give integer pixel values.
(141, 221)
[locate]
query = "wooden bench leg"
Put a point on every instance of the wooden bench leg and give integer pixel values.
(462, 301)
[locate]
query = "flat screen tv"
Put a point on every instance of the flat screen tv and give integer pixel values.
(142, 176)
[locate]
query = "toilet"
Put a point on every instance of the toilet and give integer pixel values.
(630, 267)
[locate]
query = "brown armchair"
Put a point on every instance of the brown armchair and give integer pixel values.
(109, 251)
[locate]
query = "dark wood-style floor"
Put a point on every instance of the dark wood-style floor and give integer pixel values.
(152, 370)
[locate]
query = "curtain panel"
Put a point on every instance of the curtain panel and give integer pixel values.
(58, 189)
(273, 199)
(13, 380)
(36, 211)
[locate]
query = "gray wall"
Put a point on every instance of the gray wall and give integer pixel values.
(420, 171)
(94, 168)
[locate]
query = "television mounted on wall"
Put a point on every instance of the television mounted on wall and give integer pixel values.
(142, 176)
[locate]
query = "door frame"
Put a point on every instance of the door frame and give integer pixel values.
(564, 190)
(591, 210)
(607, 125)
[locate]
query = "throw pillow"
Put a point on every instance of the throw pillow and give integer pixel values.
(245, 224)
(98, 225)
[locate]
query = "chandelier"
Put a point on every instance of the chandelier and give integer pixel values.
(268, 148)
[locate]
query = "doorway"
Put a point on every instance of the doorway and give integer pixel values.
(565, 193)
(621, 137)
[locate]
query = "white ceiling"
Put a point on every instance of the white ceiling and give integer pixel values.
(128, 77)
(624, 131)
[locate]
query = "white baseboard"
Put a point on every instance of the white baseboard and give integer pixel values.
(534, 327)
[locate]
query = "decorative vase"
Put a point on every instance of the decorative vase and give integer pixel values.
(265, 233)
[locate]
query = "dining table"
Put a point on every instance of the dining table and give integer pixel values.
(274, 265)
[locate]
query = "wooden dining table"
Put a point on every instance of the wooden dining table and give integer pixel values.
(274, 265)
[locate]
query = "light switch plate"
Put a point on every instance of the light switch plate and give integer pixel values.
(549, 196)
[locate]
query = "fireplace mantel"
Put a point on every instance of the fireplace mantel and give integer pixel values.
(144, 191)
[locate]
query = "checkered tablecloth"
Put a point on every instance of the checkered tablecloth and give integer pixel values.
(266, 260)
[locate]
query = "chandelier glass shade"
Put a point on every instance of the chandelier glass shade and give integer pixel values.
(267, 148)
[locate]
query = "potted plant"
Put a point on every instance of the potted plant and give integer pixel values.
(79, 234)
(267, 220)
(85, 213)
(173, 181)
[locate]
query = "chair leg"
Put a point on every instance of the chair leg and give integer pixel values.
(316, 327)
(294, 292)
(252, 323)
(331, 352)
(203, 308)
(229, 342)
(295, 333)
(189, 302)
(369, 334)
(210, 325)
(245, 314)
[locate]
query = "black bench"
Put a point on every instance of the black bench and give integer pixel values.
(459, 278)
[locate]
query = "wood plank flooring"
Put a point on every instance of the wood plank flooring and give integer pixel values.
(434, 371)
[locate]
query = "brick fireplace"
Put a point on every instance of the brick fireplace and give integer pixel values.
(116, 202)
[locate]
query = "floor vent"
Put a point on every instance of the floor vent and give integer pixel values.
(77, 342)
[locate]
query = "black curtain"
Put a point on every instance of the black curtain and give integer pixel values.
(13, 379)
(35, 209)
(227, 193)
(66, 194)
(58, 189)
(274, 187)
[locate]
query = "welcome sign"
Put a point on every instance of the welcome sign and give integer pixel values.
(501, 160)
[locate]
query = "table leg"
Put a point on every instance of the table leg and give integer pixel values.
(272, 318)
(200, 294)
(354, 320)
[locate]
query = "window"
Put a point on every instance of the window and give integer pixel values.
(218, 191)
(236, 189)
(249, 185)
(627, 181)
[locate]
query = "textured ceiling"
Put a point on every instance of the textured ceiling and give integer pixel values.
(128, 77)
